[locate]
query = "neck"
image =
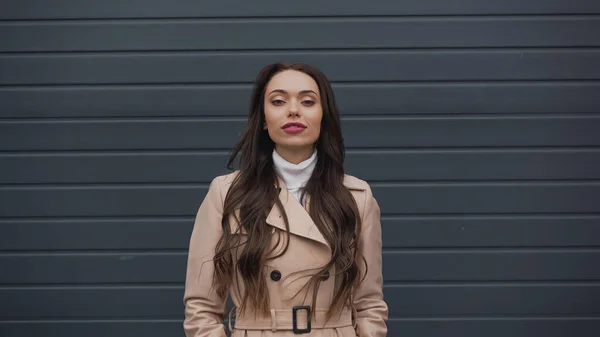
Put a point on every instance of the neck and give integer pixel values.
(294, 176)
(294, 156)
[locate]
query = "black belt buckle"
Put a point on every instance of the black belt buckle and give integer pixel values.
(295, 319)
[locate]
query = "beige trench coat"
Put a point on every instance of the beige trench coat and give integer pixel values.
(307, 249)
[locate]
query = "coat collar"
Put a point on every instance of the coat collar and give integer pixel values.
(300, 222)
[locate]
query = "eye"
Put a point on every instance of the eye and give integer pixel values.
(277, 102)
(308, 103)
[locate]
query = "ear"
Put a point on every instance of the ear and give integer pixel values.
(265, 126)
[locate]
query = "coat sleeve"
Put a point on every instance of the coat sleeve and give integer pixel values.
(204, 309)
(371, 309)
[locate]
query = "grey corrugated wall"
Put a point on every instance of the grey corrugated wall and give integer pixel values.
(477, 123)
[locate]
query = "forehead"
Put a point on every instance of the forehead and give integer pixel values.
(292, 81)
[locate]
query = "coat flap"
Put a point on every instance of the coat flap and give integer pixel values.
(300, 222)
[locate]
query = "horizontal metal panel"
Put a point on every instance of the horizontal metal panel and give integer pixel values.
(93, 303)
(430, 327)
(101, 234)
(74, 9)
(114, 168)
(96, 268)
(339, 66)
(96, 328)
(398, 266)
(399, 232)
(403, 301)
(388, 132)
(101, 201)
(391, 165)
(489, 299)
(352, 99)
(495, 327)
(495, 265)
(473, 198)
(491, 231)
(427, 198)
(317, 33)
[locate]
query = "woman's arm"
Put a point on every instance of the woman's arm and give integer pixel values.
(204, 309)
(371, 309)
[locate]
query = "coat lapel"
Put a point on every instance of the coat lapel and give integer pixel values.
(300, 222)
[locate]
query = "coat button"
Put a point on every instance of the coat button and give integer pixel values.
(275, 275)
(326, 276)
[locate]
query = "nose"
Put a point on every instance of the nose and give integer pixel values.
(293, 108)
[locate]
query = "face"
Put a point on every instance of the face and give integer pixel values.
(293, 112)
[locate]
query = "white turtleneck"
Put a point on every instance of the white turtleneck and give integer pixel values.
(294, 176)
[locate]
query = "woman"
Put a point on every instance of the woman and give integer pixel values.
(293, 240)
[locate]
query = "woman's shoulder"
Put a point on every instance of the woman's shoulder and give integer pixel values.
(219, 186)
(226, 178)
(223, 182)
(361, 190)
(365, 200)
(355, 183)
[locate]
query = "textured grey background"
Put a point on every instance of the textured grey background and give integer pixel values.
(477, 123)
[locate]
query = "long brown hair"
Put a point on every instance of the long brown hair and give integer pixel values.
(253, 193)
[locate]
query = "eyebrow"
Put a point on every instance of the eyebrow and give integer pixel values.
(302, 92)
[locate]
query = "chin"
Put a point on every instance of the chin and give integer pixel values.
(298, 145)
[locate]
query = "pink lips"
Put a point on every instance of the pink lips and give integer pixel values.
(293, 127)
